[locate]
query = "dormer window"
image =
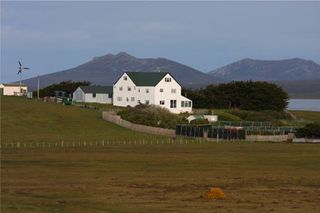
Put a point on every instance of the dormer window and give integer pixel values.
(167, 79)
(125, 78)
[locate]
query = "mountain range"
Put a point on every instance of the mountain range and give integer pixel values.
(105, 70)
(276, 70)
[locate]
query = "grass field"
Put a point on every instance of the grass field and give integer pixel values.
(25, 120)
(256, 177)
(307, 115)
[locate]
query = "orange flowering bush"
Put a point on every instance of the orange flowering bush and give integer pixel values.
(214, 193)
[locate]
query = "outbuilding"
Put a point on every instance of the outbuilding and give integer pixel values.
(93, 94)
(13, 89)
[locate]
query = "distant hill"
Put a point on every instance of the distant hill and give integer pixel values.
(299, 77)
(105, 70)
(277, 70)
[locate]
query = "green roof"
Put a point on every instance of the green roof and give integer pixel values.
(97, 89)
(146, 78)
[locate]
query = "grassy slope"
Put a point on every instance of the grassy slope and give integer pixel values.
(307, 115)
(256, 177)
(25, 120)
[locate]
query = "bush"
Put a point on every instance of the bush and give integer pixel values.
(311, 130)
(214, 193)
(267, 115)
(200, 121)
(152, 116)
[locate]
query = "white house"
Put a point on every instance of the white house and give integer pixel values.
(13, 89)
(93, 94)
(156, 88)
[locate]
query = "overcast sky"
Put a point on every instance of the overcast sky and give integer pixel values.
(53, 36)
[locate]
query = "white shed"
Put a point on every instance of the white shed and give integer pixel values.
(13, 89)
(93, 94)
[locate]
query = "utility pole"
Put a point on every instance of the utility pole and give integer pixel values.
(20, 93)
(38, 86)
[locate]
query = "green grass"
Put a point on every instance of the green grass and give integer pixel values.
(256, 177)
(25, 120)
(307, 115)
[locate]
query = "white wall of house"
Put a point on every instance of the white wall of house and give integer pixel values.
(126, 93)
(99, 98)
(80, 96)
(12, 90)
(170, 93)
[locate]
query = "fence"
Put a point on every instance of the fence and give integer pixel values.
(95, 144)
(137, 127)
(269, 138)
(208, 131)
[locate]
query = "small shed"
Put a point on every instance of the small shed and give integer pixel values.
(13, 89)
(93, 94)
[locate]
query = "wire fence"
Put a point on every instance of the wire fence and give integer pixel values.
(97, 144)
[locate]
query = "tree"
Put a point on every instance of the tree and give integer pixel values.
(68, 86)
(247, 95)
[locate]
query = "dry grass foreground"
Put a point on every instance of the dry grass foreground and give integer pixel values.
(255, 177)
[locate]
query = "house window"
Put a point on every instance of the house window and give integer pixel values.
(161, 90)
(167, 79)
(147, 90)
(185, 103)
(132, 99)
(138, 90)
(147, 102)
(127, 99)
(173, 103)
(119, 99)
(173, 90)
(129, 88)
(93, 95)
(161, 102)
(120, 88)
(125, 78)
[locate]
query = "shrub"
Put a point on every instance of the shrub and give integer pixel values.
(214, 193)
(311, 130)
(152, 116)
(200, 121)
(267, 115)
